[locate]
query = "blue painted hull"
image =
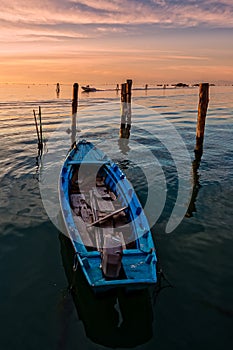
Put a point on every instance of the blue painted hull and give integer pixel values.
(138, 265)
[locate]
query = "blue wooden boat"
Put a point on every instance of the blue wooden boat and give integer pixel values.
(105, 221)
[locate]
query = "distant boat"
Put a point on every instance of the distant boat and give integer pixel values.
(87, 88)
(105, 221)
(182, 85)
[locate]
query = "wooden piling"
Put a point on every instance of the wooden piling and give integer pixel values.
(200, 130)
(123, 93)
(58, 88)
(202, 109)
(39, 130)
(128, 90)
(36, 124)
(40, 120)
(75, 98)
(125, 109)
(74, 114)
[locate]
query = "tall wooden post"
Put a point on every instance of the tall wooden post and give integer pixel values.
(74, 114)
(58, 89)
(75, 98)
(128, 99)
(128, 90)
(123, 93)
(123, 108)
(202, 109)
(125, 111)
(40, 120)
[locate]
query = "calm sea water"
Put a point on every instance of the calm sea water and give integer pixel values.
(37, 311)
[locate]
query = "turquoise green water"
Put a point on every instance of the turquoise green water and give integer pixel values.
(35, 260)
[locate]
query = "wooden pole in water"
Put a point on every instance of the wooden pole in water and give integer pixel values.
(123, 93)
(37, 129)
(125, 109)
(41, 137)
(128, 90)
(128, 99)
(74, 114)
(58, 89)
(202, 109)
(75, 98)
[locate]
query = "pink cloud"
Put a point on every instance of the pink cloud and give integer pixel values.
(118, 12)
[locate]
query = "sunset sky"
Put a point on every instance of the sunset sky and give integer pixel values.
(101, 41)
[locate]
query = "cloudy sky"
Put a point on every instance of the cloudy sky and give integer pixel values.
(100, 41)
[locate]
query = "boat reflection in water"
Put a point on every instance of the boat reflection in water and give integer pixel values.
(114, 318)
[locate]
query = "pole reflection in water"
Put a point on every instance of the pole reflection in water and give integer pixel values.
(73, 128)
(115, 318)
(196, 187)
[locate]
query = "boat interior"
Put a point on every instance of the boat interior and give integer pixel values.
(99, 214)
